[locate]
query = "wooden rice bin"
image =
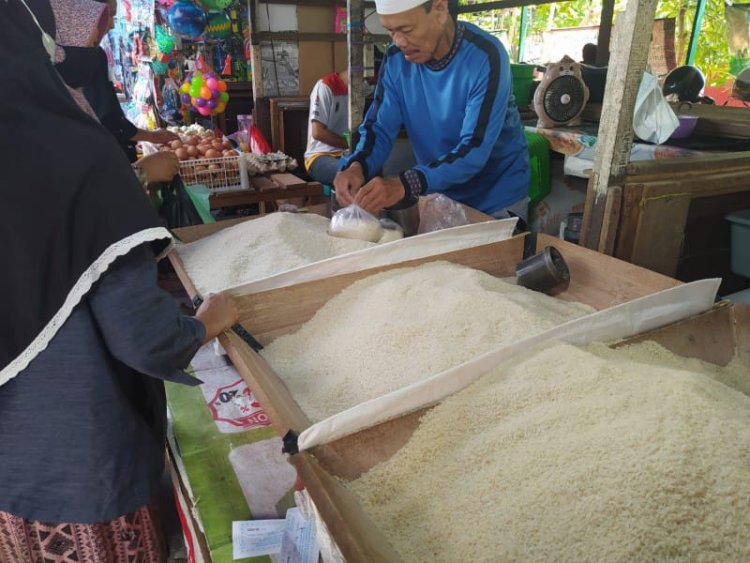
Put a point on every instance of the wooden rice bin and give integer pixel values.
(597, 280)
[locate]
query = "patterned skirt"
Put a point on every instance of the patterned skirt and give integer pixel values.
(134, 538)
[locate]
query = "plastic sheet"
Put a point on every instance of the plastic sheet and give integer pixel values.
(622, 321)
(412, 248)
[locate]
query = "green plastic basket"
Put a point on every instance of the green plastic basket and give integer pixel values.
(523, 76)
(540, 183)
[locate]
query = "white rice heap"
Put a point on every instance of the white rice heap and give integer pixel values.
(575, 455)
(260, 248)
(401, 326)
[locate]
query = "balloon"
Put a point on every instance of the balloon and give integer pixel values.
(205, 111)
(221, 107)
(185, 88)
(195, 92)
(200, 102)
(223, 97)
(215, 94)
(211, 103)
(164, 40)
(185, 98)
(187, 20)
(212, 83)
(218, 25)
(222, 86)
(210, 75)
(198, 81)
(215, 4)
(205, 93)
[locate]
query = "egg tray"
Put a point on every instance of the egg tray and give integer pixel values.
(217, 174)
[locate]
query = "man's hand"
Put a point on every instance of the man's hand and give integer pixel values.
(379, 193)
(347, 182)
(217, 313)
(160, 166)
(158, 137)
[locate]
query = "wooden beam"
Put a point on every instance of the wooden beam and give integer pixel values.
(323, 3)
(296, 36)
(612, 208)
(355, 42)
(256, 63)
(605, 31)
(615, 136)
(501, 5)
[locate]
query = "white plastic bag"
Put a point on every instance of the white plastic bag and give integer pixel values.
(653, 120)
(356, 223)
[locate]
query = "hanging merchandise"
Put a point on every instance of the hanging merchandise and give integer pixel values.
(187, 20)
(170, 108)
(215, 4)
(205, 93)
(159, 68)
(164, 40)
(218, 25)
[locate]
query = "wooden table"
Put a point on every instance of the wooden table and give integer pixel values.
(268, 189)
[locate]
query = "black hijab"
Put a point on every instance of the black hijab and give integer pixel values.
(70, 205)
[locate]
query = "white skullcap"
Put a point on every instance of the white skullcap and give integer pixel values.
(388, 7)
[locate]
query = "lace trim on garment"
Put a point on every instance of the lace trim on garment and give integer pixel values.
(79, 290)
(442, 63)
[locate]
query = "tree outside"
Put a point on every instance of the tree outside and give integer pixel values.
(712, 56)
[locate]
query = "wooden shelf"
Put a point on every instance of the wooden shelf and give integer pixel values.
(296, 36)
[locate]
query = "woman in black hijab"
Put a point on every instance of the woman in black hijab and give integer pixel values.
(87, 337)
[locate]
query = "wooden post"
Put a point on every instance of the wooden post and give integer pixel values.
(605, 31)
(615, 137)
(256, 65)
(355, 42)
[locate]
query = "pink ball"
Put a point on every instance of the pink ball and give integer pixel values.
(212, 83)
(205, 111)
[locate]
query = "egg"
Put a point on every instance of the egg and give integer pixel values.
(193, 140)
(214, 167)
(202, 148)
(192, 151)
(200, 168)
(212, 153)
(174, 145)
(182, 153)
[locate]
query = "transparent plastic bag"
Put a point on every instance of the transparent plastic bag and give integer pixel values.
(391, 231)
(441, 212)
(355, 223)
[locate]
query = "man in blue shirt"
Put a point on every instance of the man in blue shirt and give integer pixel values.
(449, 84)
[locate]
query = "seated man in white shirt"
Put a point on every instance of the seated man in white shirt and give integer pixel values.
(329, 120)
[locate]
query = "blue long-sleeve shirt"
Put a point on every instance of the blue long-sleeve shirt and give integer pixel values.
(462, 121)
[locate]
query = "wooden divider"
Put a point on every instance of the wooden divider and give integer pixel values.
(596, 279)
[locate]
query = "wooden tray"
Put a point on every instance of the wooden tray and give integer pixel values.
(596, 279)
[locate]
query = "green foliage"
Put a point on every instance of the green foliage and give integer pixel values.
(712, 55)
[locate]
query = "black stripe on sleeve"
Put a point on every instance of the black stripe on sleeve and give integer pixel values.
(485, 111)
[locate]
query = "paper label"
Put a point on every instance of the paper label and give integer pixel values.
(298, 544)
(256, 537)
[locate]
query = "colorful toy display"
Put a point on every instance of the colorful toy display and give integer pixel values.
(205, 93)
(187, 20)
(215, 4)
(164, 40)
(218, 25)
